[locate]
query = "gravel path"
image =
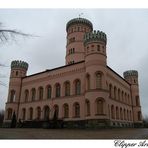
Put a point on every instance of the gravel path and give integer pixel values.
(23, 133)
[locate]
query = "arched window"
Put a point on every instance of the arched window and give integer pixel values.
(112, 112)
(12, 95)
(33, 94)
(118, 94)
(76, 110)
(87, 82)
(38, 113)
(130, 115)
(77, 87)
(117, 113)
(115, 93)
(122, 96)
(40, 93)
(67, 88)
(87, 104)
(56, 111)
(31, 113)
(58, 89)
(26, 95)
(129, 102)
(139, 116)
(66, 110)
(9, 114)
(127, 115)
(98, 47)
(46, 112)
(137, 100)
(121, 114)
(125, 98)
(23, 114)
(124, 114)
(99, 106)
(98, 80)
(49, 92)
(110, 90)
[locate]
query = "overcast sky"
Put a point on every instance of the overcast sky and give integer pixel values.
(127, 41)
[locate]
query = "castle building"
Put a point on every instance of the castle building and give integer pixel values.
(84, 92)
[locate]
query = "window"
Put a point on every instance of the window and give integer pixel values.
(40, 93)
(33, 91)
(31, 113)
(12, 96)
(99, 106)
(26, 95)
(49, 92)
(121, 114)
(56, 111)
(87, 82)
(117, 113)
(87, 104)
(139, 116)
(125, 98)
(23, 114)
(124, 114)
(46, 112)
(58, 89)
(137, 100)
(118, 94)
(110, 90)
(16, 73)
(38, 113)
(115, 93)
(98, 80)
(77, 87)
(76, 110)
(67, 89)
(66, 111)
(112, 112)
(127, 115)
(9, 114)
(122, 96)
(98, 47)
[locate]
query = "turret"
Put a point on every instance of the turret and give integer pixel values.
(95, 63)
(18, 71)
(76, 28)
(95, 47)
(131, 76)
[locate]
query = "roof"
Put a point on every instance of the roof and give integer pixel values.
(118, 75)
(48, 70)
(79, 20)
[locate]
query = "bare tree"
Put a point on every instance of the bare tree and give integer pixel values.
(1, 117)
(5, 36)
(10, 34)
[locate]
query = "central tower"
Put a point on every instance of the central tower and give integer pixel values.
(76, 28)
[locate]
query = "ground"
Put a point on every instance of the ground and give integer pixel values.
(24, 133)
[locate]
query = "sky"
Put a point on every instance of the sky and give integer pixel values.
(127, 45)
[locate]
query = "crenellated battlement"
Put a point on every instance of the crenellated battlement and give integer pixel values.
(79, 21)
(95, 36)
(19, 64)
(130, 73)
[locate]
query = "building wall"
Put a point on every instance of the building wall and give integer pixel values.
(102, 97)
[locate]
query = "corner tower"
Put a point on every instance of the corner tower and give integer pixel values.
(95, 59)
(18, 71)
(96, 74)
(76, 28)
(131, 76)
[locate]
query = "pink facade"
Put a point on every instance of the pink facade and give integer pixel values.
(85, 90)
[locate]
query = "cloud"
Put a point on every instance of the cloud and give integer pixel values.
(126, 31)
